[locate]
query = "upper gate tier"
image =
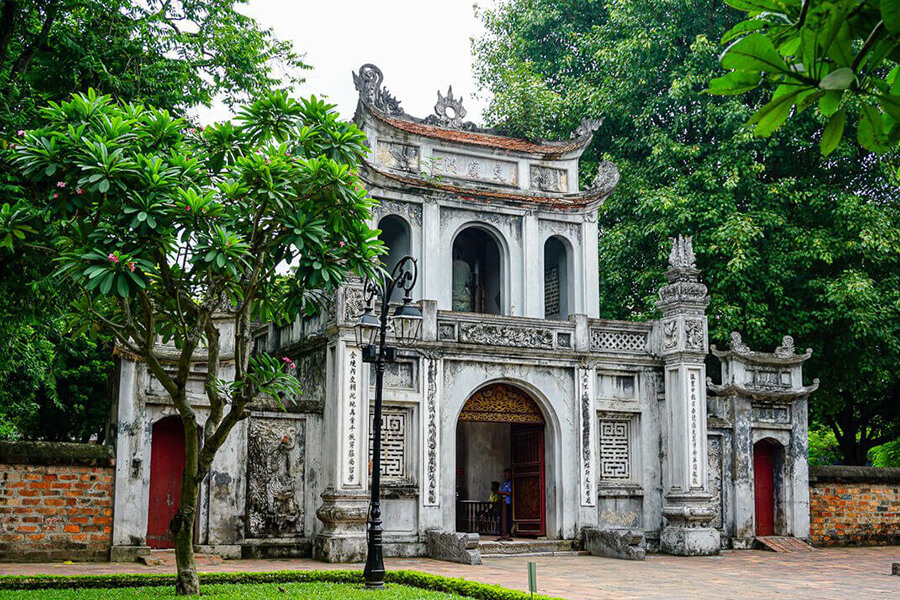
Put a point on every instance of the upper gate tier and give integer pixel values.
(444, 152)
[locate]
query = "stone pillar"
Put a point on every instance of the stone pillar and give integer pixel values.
(435, 280)
(345, 500)
(532, 269)
(688, 506)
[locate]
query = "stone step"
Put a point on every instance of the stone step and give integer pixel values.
(783, 544)
(489, 547)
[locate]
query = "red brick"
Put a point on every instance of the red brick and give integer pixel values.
(71, 528)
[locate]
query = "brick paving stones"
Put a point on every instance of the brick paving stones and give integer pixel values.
(830, 573)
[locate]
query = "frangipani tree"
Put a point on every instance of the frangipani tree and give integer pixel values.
(842, 56)
(161, 227)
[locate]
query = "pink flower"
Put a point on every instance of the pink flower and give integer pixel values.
(187, 208)
(60, 184)
(113, 259)
(200, 128)
(287, 153)
(341, 244)
(192, 130)
(79, 191)
(55, 195)
(290, 364)
(20, 133)
(131, 266)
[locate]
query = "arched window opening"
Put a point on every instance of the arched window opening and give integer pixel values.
(476, 273)
(395, 235)
(556, 280)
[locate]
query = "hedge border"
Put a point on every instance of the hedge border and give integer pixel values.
(426, 581)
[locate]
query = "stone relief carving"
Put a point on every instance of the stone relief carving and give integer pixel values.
(688, 291)
(682, 253)
(447, 332)
(548, 179)
(607, 177)
(455, 217)
(368, 84)
(670, 334)
(431, 433)
(354, 304)
(412, 212)
(398, 156)
(714, 476)
(586, 126)
(275, 477)
(693, 334)
(505, 335)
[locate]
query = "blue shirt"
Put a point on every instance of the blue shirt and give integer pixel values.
(506, 486)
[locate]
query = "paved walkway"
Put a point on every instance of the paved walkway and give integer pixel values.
(839, 574)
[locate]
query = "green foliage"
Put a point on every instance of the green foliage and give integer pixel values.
(823, 448)
(171, 54)
(789, 243)
(886, 455)
(837, 54)
(93, 584)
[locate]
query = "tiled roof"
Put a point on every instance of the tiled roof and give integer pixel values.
(485, 139)
(570, 201)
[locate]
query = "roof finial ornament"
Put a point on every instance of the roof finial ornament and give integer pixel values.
(607, 177)
(368, 84)
(449, 110)
(682, 254)
(586, 127)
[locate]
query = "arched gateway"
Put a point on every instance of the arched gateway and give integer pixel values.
(500, 427)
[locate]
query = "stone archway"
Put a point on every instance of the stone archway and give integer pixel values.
(499, 427)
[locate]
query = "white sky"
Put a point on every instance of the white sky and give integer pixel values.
(421, 46)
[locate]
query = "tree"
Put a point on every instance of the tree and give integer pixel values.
(840, 55)
(163, 226)
(174, 55)
(789, 242)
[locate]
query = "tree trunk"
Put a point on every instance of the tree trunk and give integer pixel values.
(182, 526)
(186, 581)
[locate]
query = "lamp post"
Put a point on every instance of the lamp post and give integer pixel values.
(371, 333)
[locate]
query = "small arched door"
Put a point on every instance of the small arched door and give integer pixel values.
(166, 467)
(764, 487)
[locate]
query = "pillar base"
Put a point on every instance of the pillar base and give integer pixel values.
(343, 539)
(690, 541)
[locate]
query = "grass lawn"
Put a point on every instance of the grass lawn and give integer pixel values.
(266, 591)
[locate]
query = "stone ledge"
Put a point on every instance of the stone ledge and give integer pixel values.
(848, 474)
(57, 454)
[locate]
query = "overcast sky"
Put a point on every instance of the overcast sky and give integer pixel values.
(420, 45)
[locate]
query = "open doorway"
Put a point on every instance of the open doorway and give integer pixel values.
(500, 427)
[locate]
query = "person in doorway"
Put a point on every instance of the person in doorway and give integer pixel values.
(506, 506)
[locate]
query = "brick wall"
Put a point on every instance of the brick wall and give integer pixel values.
(854, 506)
(56, 501)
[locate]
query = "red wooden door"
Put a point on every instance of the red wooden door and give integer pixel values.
(528, 480)
(764, 487)
(166, 467)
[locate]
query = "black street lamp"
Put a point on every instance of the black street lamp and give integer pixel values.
(371, 332)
